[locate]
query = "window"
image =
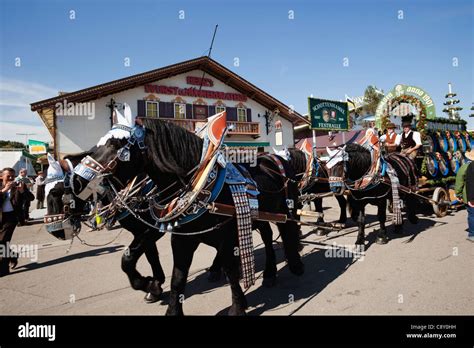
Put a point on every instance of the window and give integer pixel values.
(179, 110)
(242, 115)
(151, 109)
(220, 108)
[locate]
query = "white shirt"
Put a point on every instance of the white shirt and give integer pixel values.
(7, 204)
(416, 138)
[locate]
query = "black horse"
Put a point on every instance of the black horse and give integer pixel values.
(355, 163)
(171, 155)
(318, 183)
(143, 238)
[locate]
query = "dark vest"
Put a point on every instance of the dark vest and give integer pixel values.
(407, 141)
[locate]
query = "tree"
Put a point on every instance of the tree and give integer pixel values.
(372, 98)
(7, 144)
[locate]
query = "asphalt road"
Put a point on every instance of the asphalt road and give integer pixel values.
(428, 270)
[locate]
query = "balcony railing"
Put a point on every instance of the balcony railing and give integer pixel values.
(239, 128)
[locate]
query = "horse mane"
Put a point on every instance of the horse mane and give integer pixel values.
(359, 160)
(171, 148)
(297, 160)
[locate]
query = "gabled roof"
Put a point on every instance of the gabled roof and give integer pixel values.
(205, 63)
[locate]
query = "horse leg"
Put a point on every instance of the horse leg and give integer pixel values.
(411, 209)
(318, 203)
(183, 250)
(382, 237)
(361, 222)
(291, 241)
(231, 266)
(141, 242)
(269, 274)
(215, 271)
(153, 258)
(343, 206)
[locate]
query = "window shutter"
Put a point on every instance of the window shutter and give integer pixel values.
(141, 108)
(212, 110)
(166, 110)
(231, 114)
(189, 111)
(249, 115)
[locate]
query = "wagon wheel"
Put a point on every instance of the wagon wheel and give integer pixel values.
(440, 196)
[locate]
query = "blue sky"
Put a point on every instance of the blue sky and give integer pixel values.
(288, 58)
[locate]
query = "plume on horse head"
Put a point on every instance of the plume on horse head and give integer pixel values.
(117, 132)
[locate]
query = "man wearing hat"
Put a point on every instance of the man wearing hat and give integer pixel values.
(464, 188)
(409, 140)
(389, 138)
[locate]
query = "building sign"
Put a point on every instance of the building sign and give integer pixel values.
(199, 81)
(194, 92)
(328, 114)
(398, 93)
(444, 126)
(37, 147)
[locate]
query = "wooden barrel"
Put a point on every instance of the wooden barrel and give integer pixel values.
(453, 163)
(432, 165)
(452, 142)
(443, 142)
(443, 165)
(431, 143)
(462, 145)
(469, 142)
(460, 157)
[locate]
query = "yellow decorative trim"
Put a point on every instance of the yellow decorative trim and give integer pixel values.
(151, 97)
(219, 103)
(179, 100)
(199, 101)
(241, 105)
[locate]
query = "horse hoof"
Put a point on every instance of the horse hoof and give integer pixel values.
(236, 311)
(382, 240)
(151, 298)
(360, 241)
(320, 232)
(269, 282)
(297, 269)
(214, 276)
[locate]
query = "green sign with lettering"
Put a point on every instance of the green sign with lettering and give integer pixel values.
(328, 115)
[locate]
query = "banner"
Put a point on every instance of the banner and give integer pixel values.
(37, 147)
(328, 114)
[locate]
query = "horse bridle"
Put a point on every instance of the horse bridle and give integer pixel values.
(93, 172)
(65, 220)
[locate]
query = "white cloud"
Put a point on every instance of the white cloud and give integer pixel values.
(8, 131)
(17, 93)
(15, 112)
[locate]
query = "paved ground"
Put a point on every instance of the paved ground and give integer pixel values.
(428, 270)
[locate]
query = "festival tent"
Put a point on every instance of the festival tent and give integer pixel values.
(16, 159)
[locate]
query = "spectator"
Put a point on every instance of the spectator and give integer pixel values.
(470, 197)
(12, 197)
(40, 186)
(22, 177)
(464, 189)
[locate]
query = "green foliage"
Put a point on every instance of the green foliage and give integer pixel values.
(441, 182)
(371, 99)
(7, 144)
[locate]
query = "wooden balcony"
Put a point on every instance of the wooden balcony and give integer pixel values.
(239, 128)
